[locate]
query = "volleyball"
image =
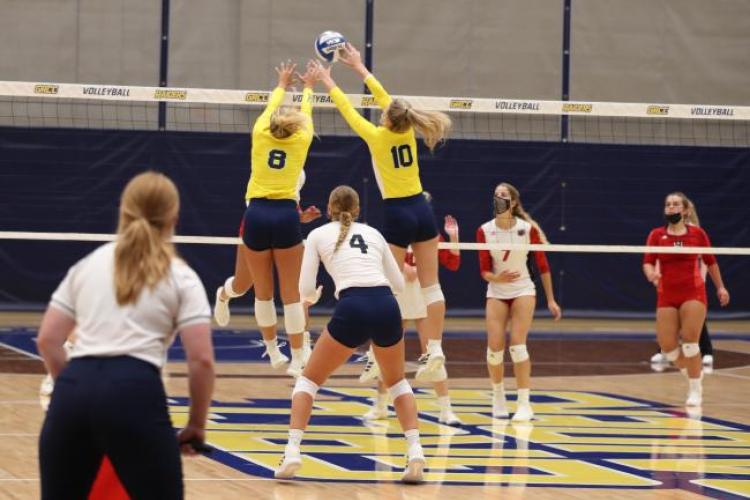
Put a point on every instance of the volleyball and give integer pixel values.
(328, 44)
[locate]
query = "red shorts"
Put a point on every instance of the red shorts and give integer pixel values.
(507, 302)
(242, 227)
(675, 298)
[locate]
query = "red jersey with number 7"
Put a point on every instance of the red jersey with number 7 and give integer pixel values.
(497, 261)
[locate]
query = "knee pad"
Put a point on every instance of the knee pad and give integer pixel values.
(399, 389)
(691, 349)
(672, 355)
(494, 358)
(304, 384)
(265, 313)
(518, 353)
(294, 318)
(432, 294)
(229, 290)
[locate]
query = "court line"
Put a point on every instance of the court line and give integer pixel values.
(20, 351)
(733, 375)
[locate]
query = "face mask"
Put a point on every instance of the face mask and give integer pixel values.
(673, 218)
(501, 205)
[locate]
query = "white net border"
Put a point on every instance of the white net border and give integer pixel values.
(257, 98)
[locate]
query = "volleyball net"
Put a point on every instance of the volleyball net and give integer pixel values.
(117, 107)
(582, 196)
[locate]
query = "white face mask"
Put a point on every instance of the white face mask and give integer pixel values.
(501, 205)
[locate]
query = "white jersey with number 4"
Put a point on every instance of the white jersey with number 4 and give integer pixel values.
(363, 259)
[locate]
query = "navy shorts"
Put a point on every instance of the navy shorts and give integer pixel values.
(408, 220)
(271, 224)
(366, 313)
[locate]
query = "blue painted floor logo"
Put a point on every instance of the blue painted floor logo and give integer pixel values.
(579, 439)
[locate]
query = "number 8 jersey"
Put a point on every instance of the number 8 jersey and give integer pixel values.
(497, 261)
(276, 164)
(363, 260)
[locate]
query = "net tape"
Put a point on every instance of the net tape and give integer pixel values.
(220, 240)
(258, 98)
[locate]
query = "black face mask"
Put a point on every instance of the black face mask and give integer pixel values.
(500, 205)
(673, 218)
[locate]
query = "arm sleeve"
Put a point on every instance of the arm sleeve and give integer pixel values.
(392, 269)
(485, 258)
(382, 98)
(193, 308)
(63, 298)
(309, 274)
(650, 258)
(307, 101)
(539, 257)
(708, 258)
(357, 122)
(449, 260)
(274, 101)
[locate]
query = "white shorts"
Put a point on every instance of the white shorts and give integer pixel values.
(511, 290)
(411, 302)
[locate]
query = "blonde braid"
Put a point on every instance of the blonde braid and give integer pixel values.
(345, 218)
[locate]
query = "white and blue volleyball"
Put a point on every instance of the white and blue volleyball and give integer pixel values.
(328, 44)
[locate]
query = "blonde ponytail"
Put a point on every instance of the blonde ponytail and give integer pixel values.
(143, 252)
(343, 206)
(346, 222)
(287, 121)
(692, 216)
(433, 126)
(518, 210)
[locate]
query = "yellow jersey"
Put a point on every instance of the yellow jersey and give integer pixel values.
(394, 155)
(276, 164)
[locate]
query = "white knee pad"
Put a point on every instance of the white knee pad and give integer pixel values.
(304, 384)
(229, 290)
(399, 389)
(432, 294)
(294, 318)
(495, 358)
(265, 313)
(691, 349)
(672, 355)
(518, 353)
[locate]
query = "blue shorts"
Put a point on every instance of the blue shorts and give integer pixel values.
(366, 313)
(271, 224)
(408, 220)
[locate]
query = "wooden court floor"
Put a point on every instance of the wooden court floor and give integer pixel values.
(606, 425)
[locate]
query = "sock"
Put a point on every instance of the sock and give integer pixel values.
(434, 346)
(381, 401)
(271, 345)
(498, 390)
(229, 290)
(695, 384)
(444, 402)
(297, 353)
(295, 438)
(523, 396)
(412, 437)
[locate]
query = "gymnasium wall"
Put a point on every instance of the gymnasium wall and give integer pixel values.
(70, 180)
(688, 51)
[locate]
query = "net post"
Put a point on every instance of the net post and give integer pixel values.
(567, 6)
(163, 60)
(369, 21)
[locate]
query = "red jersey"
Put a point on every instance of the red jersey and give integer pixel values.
(446, 258)
(679, 271)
